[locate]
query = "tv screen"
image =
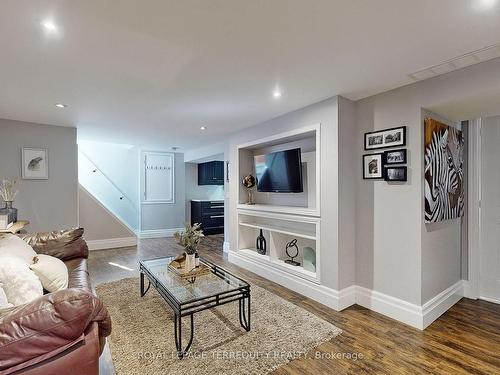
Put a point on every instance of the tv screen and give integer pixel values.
(279, 172)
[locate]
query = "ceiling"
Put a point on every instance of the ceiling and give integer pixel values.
(484, 104)
(152, 72)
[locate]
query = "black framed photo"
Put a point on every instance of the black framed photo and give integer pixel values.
(373, 166)
(387, 138)
(395, 174)
(395, 156)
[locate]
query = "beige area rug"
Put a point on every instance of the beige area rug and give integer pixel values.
(142, 341)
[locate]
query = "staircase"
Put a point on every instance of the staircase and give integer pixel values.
(104, 190)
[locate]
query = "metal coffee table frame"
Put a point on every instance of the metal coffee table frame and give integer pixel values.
(241, 294)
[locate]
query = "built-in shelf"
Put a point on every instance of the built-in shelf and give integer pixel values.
(295, 269)
(280, 209)
(291, 230)
(279, 263)
(282, 217)
(254, 254)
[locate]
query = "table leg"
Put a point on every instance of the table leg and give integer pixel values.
(178, 335)
(245, 315)
(143, 292)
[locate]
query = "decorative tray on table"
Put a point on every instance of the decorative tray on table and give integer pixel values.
(178, 266)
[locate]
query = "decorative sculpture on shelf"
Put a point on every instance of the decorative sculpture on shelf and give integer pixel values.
(249, 182)
(291, 245)
(260, 244)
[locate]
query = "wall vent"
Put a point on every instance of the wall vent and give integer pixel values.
(459, 62)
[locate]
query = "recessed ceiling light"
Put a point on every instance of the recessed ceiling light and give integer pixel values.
(60, 105)
(49, 25)
(203, 128)
(482, 5)
(277, 94)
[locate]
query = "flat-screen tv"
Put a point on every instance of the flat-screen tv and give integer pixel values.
(279, 172)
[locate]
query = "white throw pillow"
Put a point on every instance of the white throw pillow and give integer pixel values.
(3, 299)
(11, 245)
(20, 284)
(51, 271)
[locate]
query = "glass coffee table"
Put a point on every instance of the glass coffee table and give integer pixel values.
(187, 298)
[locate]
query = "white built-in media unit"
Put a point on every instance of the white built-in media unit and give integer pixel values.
(281, 216)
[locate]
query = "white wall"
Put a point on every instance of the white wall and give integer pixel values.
(99, 223)
(195, 191)
(389, 217)
(161, 216)
(325, 113)
(396, 254)
(348, 173)
(392, 239)
(123, 165)
(48, 204)
(206, 152)
(488, 256)
(120, 163)
(110, 172)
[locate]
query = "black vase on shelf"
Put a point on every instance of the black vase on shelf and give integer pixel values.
(260, 244)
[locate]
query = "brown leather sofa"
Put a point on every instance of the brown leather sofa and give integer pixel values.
(62, 332)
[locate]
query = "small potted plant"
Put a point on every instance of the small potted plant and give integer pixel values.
(189, 240)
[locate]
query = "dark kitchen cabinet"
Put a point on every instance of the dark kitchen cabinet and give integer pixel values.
(211, 173)
(210, 214)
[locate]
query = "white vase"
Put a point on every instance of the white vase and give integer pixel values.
(190, 261)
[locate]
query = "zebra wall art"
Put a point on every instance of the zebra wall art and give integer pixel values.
(444, 158)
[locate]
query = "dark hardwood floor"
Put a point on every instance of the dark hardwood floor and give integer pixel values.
(465, 340)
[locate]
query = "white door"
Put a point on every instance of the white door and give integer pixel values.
(158, 177)
(489, 275)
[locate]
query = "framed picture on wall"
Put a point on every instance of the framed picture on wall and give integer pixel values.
(35, 163)
(395, 174)
(387, 138)
(395, 156)
(373, 166)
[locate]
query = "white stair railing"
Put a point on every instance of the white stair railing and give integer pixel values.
(95, 181)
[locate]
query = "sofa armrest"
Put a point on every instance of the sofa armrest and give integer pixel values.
(41, 329)
(64, 244)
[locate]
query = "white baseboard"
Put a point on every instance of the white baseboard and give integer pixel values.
(320, 293)
(226, 247)
(347, 297)
(469, 290)
(414, 315)
(392, 307)
(158, 233)
(112, 243)
(437, 306)
(489, 299)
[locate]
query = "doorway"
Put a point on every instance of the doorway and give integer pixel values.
(489, 249)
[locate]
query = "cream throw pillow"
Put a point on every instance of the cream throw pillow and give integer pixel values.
(3, 299)
(11, 245)
(51, 271)
(20, 284)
